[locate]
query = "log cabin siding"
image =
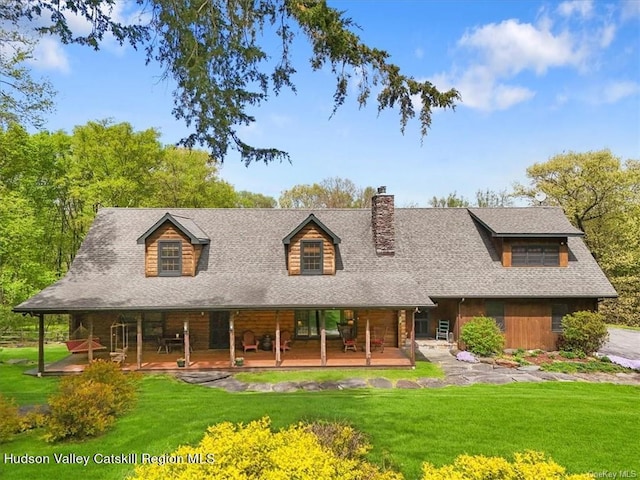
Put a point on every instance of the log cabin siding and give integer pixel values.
(190, 254)
(527, 322)
(312, 232)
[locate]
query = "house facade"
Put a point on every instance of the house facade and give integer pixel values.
(208, 276)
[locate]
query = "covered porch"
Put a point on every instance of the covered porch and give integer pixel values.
(155, 341)
(303, 354)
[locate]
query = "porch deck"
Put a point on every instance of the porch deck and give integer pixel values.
(302, 355)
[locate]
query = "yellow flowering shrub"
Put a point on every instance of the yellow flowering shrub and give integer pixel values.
(254, 451)
(9, 419)
(528, 465)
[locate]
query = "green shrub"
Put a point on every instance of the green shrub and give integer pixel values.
(9, 419)
(253, 451)
(482, 336)
(583, 331)
(525, 466)
(342, 439)
(87, 404)
(81, 409)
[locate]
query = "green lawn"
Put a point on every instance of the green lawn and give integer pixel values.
(586, 427)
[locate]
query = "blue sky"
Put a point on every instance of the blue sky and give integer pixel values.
(536, 78)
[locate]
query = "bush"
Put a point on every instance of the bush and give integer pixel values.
(482, 336)
(583, 332)
(9, 419)
(254, 451)
(80, 410)
(87, 404)
(526, 466)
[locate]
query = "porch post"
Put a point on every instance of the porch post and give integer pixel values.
(40, 344)
(187, 347)
(413, 337)
(367, 342)
(139, 342)
(232, 340)
(278, 357)
(90, 349)
(323, 340)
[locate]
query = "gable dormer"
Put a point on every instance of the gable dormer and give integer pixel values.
(311, 248)
(528, 237)
(172, 246)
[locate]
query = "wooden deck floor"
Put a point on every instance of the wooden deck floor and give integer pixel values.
(301, 355)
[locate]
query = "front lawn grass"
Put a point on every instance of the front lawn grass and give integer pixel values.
(583, 426)
(26, 389)
(423, 369)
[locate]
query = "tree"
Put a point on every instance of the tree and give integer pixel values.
(22, 99)
(489, 198)
(600, 195)
(216, 52)
(187, 179)
(588, 186)
(450, 201)
(245, 199)
(333, 192)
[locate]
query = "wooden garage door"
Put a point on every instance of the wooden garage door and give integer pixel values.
(528, 326)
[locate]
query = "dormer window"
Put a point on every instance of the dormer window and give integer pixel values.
(535, 255)
(169, 258)
(311, 257)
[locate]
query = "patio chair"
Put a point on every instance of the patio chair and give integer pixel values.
(162, 344)
(285, 341)
(378, 341)
(249, 341)
(348, 341)
(443, 330)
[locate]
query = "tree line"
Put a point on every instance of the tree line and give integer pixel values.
(53, 183)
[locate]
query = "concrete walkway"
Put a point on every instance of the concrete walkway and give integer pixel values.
(456, 373)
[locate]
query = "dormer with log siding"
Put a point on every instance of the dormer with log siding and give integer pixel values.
(311, 249)
(529, 239)
(173, 246)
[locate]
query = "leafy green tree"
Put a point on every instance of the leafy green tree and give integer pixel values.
(600, 194)
(333, 192)
(22, 98)
(450, 201)
(490, 198)
(245, 199)
(216, 52)
(186, 178)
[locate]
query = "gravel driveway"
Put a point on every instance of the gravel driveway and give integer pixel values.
(623, 343)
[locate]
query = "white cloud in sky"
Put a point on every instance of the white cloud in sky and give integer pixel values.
(583, 8)
(630, 9)
(616, 91)
(49, 54)
(418, 52)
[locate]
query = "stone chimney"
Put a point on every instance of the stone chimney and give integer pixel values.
(382, 222)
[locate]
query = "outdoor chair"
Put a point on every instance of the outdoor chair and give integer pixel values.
(348, 341)
(285, 341)
(162, 344)
(249, 341)
(443, 330)
(378, 341)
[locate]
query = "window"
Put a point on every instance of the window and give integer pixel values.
(311, 257)
(169, 258)
(558, 311)
(495, 310)
(308, 322)
(538, 255)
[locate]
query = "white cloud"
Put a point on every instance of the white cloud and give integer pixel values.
(630, 9)
(511, 47)
(418, 52)
(607, 35)
(616, 91)
(583, 8)
(48, 54)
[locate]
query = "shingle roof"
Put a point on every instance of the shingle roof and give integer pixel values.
(526, 222)
(438, 253)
